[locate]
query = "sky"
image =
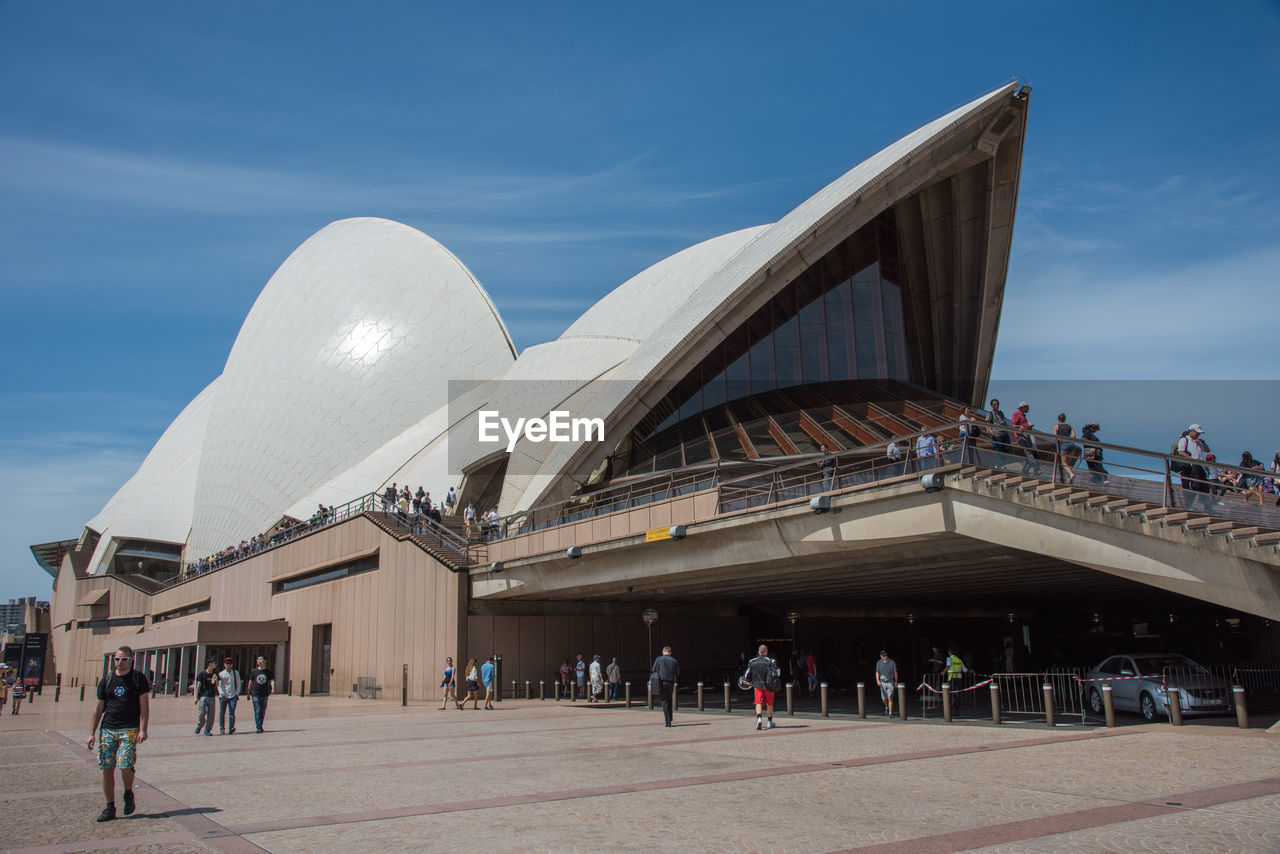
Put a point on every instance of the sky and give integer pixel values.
(159, 161)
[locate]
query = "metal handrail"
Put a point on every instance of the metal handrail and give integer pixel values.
(1047, 449)
(372, 502)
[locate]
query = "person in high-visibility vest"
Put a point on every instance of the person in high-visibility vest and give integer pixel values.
(953, 671)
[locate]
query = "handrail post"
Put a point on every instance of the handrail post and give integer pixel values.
(1057, 459)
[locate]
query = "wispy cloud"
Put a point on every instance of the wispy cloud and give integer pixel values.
(164, 182)
(1192, 321)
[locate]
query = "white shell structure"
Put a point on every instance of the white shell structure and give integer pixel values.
(338, 382)
(350, 343)
(707, 292)
(155, 504)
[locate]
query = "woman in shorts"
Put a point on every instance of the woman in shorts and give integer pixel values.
(473, 686)
(449, 683)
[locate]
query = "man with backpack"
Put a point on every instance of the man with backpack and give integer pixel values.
(766, 678)
(123, 712)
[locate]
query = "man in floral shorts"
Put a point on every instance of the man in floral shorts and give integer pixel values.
(123, 711)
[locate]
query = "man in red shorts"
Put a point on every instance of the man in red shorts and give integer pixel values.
(123, 710)
(766, 678)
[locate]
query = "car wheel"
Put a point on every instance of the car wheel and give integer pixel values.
(1095, 701)
(1147, 706)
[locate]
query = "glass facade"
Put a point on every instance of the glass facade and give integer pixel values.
(840, 323)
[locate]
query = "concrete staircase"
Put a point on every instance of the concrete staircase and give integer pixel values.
(1155, 519)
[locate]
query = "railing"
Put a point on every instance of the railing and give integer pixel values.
(1125, 472)
(418, 524)
(1130, 473)
(1148, 477)
(1255, 676)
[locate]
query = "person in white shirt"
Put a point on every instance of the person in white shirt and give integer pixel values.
(597, 680)
(1195, 477)
(229, 685)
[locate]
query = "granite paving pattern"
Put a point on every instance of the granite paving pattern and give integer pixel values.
(333, 774)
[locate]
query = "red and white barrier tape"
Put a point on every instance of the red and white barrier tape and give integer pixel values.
(1116, 679)
(924, 685)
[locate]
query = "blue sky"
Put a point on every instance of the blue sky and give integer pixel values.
(158, 161)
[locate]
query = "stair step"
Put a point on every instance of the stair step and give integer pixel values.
(1156, 514)
(1098, 500)
(1220, 528)
(1244, 533)
(1045, 488)
(1199, 522)
(1077, 497)
(1060, 493)
(998, 477)
(1267, 539)
(1175, 518)
(1139, 507)
(1115, 505)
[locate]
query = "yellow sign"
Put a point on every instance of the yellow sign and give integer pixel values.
(657, 534)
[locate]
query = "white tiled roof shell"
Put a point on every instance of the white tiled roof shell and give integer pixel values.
(544, 377)
(348, 345)
(568, 372)
(697, 315)
(156, 503)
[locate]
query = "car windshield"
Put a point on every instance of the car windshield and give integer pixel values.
(1155, 665)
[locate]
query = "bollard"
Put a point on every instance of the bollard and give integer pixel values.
(649, 696)
(791, 709)
(675, 696)
(404, 685)
(155, 686)
(627, 685)
(902, 701)
(513, 690)
(82, 692)
(1048, 704)
(542, 689)
(700, 706)
(1175, 706)
(862, 700)
(823, 692)
(302, 688)
(528, 690)
(573, 692)
(1108, 706)
(1242, 707)
(946, 701)
(57, 691)
(995, 704)
(288, 688)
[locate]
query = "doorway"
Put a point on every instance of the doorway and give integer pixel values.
(321, 645)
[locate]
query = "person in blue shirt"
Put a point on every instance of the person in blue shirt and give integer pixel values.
(487, 671)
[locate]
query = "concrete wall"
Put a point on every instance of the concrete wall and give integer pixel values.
(408, 611)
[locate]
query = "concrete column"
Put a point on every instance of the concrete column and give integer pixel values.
(175, 662)
(202, 653)
(281, 664)
(184, 659)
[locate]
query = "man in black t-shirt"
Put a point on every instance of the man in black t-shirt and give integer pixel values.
(206, 690)
(262, 684)
(123, 710)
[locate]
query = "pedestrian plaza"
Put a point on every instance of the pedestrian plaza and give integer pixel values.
(335, 774)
